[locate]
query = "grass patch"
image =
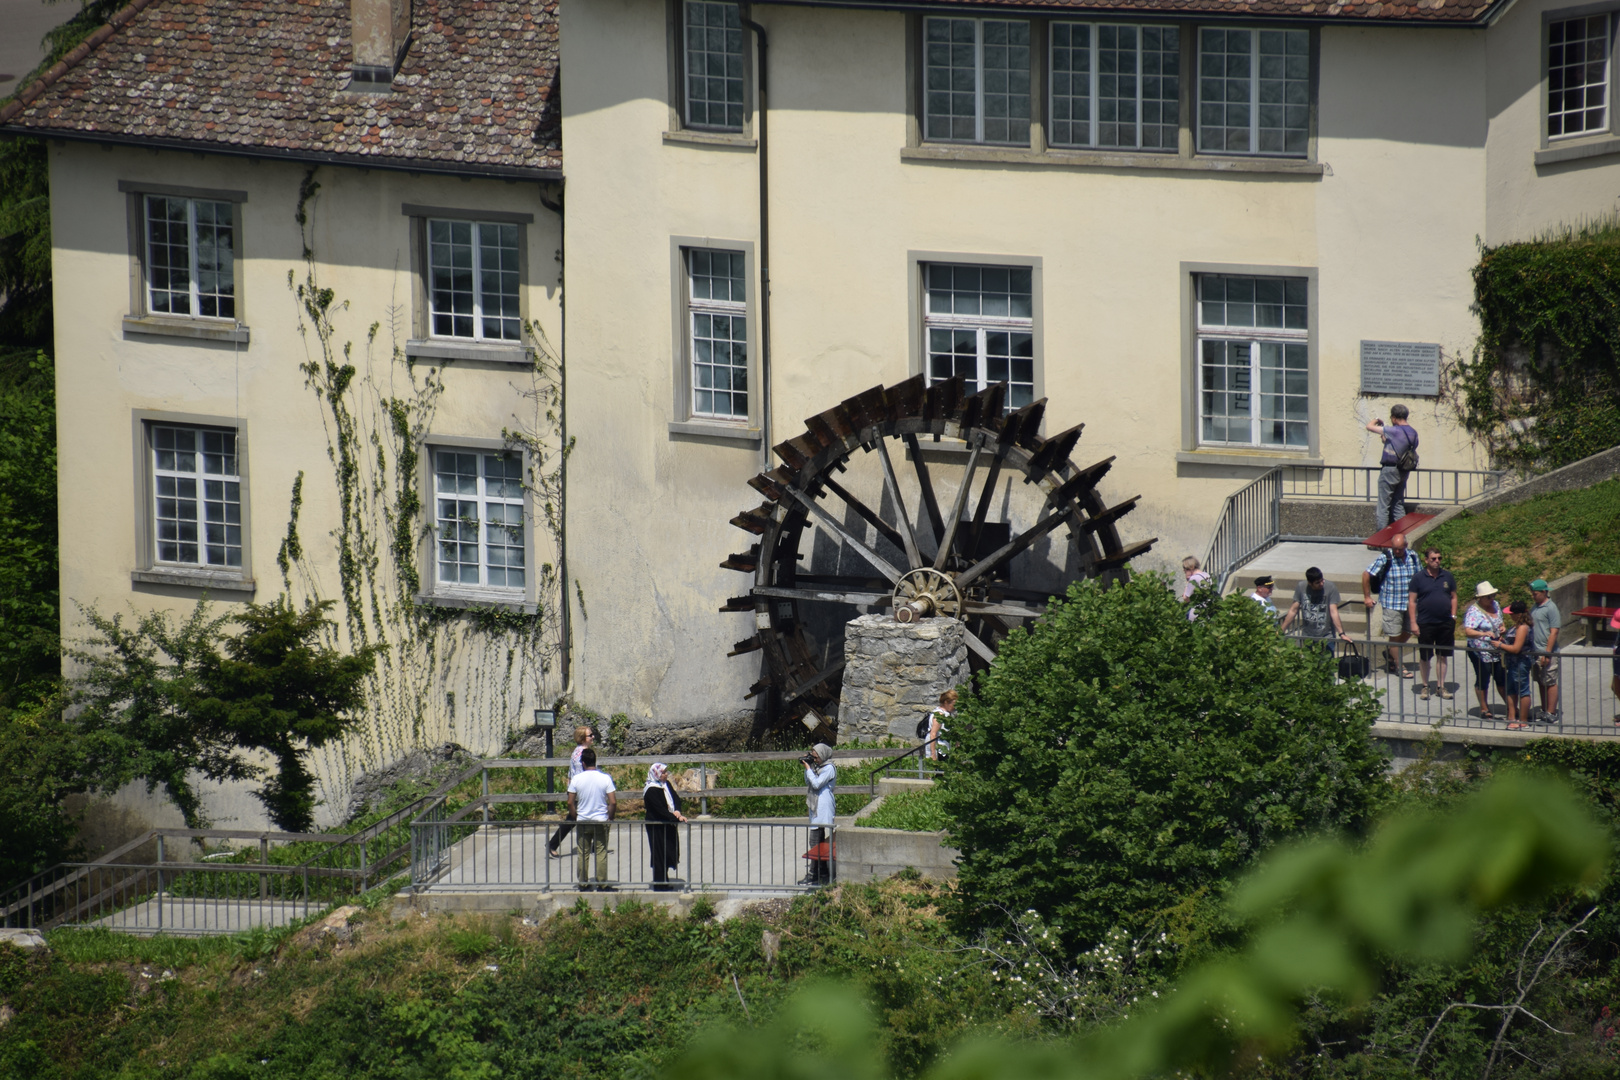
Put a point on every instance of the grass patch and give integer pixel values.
(915, 811)
(1549, 536)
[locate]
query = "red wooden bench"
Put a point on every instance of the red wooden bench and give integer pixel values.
(1602, 597)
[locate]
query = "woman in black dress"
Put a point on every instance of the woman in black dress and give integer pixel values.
(663, 811)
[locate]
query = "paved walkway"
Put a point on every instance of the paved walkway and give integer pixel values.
(716, 854)
(186, 916)
(1288, 562)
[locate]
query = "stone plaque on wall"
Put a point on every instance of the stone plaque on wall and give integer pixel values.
(1400, 367)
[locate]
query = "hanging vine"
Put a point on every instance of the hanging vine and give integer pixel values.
(1542, 388)
(461, 674)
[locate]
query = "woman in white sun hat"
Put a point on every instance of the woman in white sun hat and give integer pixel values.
(1482, 622)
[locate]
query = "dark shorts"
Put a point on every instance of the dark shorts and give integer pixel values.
(1436, 638)
(1487, 672)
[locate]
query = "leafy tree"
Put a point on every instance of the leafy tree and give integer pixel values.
(278, 688)
(1120, 758)
(138, 688)
(174, 701)
(29, 615)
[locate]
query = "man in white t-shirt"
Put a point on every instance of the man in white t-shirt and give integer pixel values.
(592, 803)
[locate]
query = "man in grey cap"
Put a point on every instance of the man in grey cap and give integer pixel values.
(1545, 620)
(821, 776)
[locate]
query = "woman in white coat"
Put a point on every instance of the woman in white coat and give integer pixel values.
(821, 777)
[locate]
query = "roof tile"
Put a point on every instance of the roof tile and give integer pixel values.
(212, 71)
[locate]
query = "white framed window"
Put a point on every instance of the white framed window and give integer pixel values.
(1254, 91)
(717, 329)
(976, 80)
(1115, 85)
(712, 42)
(1578, 53)
(480, 536)
(979, 323)
(197, 496)
(190, 249)
(474, 280)
(1253, 349)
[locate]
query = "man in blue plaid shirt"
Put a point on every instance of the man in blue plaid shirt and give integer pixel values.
(1401, 565)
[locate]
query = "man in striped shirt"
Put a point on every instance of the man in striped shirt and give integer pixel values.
(1397, 565)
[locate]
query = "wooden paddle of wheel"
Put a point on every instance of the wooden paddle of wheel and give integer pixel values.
(923, 561)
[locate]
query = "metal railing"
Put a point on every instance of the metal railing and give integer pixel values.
(1360, 482)
(460, 852)
(1250, 522)
(914, 764)
(1586, 705)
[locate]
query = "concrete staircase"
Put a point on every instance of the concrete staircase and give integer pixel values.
(1340, 564)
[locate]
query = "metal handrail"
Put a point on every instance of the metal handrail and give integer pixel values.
(919, 752)
(1250, 522)
(1450, 487)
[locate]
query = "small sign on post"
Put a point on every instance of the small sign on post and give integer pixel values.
(1409, 368)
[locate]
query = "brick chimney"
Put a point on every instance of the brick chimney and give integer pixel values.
(381, 30)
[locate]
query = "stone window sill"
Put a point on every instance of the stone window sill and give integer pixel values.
(711, 430)
(1262, 459)
(437, 349)
(1588, 148)
(476, 602)
(195, 329)
(212, 580)
(724, 139)
(1104, 159)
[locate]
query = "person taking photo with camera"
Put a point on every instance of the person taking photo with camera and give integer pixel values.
(821, 777)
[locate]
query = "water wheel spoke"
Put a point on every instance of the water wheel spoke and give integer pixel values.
(926, 483)
(1011, 548)
(826, 596)
(956, 510)
(879, 563)
(985, 498)
(908, 535)
(1016, 611)
(887, 531)
(976, 643)
(811, 683)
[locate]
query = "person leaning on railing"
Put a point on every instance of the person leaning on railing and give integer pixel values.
(1482, 622)
(592, 801)
(1518, 653)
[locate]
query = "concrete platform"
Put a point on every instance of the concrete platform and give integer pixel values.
(1287, 563)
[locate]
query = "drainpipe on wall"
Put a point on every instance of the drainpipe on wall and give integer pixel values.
(745, 11)
(566, 660)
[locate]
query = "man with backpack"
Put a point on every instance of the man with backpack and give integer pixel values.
(1399, 461)
(1390, 576)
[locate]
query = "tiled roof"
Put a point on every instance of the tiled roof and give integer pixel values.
(1442, 12)
(478, 90)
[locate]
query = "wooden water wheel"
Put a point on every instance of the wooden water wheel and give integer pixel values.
(967, 513)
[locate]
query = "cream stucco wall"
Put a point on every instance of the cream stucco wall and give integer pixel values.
(361, 242)
(1388, 229)
(1526, 199)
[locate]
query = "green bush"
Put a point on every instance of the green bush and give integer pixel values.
(1119, 758)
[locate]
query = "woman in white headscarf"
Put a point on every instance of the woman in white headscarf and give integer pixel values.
(663, 811)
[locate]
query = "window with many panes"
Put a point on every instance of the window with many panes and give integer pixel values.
(979, 323)
(474, 276)
(479, 541)
(1115, 86)
(713, 40)
(190, 257)
(197, 496)
(717, 322)
(976, 80)
(1578, 75)
(1254, 91)
(1253, 361)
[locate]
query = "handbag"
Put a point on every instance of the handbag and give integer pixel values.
(1352, 665)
